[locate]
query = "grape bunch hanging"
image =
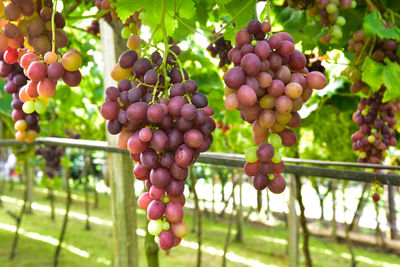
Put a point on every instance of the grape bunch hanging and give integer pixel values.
(52, 156)
(220, 47)
(328, 12)
(376, 120)
(268, 85)
(165, 123)
(26, 125)
(30, 36)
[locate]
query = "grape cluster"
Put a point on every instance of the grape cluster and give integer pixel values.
(26, 125)
(220, 48)
(72, 135)
(44, 75)
(376, 191)
(94, 28)
(268, 85)
(165, 124)
(223, 127)
(27, 37)
(34, 27)
(314, 63)
(328, 12)
(361, 44)
(376, 120)
(52, 156)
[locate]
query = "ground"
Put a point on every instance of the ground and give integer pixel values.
(264, 246)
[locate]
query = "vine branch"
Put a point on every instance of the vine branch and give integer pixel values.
(164, 31)
(53, 27)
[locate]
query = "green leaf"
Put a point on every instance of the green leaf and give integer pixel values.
(235, 6)
(372, 73)
(126, 8)
(373, 26)
(151, 13)
(187, 9)
(391, 79)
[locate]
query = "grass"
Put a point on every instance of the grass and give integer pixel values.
(263, 244)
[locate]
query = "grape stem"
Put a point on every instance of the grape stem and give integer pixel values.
(151, 38)
(222, 36)
(95, 16)
(155, 91)
(190, 28)
(164, 31)
(233, 19)
(53, 27)
(362, 51)
(42, 3)
(180, 65)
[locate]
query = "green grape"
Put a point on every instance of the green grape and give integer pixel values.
(165, 200)
(125, 32)
(371, 139)
(277, 157)
(380, 190)
(40, 106)
(331, 8)
(353, 4)
(271, 177)
(156, 239)
(254, 42)
(341, 21)
(373, 131)
(275, 140)
(251, 155)
(363, 155)
(166, 226)
(155, 227)
(28, 107)
(337, 34)
(364, 112)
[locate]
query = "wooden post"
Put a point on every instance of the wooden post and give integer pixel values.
(333, 222)
(293, 232)
(120, 166)
(391, 214)
(29, 183)
(239, 213)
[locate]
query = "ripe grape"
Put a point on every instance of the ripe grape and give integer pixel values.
(267, 86)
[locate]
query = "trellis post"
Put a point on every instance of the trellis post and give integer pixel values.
(120, 166)
(293, 226)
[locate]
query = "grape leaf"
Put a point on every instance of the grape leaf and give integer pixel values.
(235, 6)
(391, 78)
(372, 73)
(202, 11)
(373, 26)
(222, 2)
(376, 74)
(151, 14)
(187, 9)
(126, 8)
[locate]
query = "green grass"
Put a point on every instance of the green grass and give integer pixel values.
(263, 244)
